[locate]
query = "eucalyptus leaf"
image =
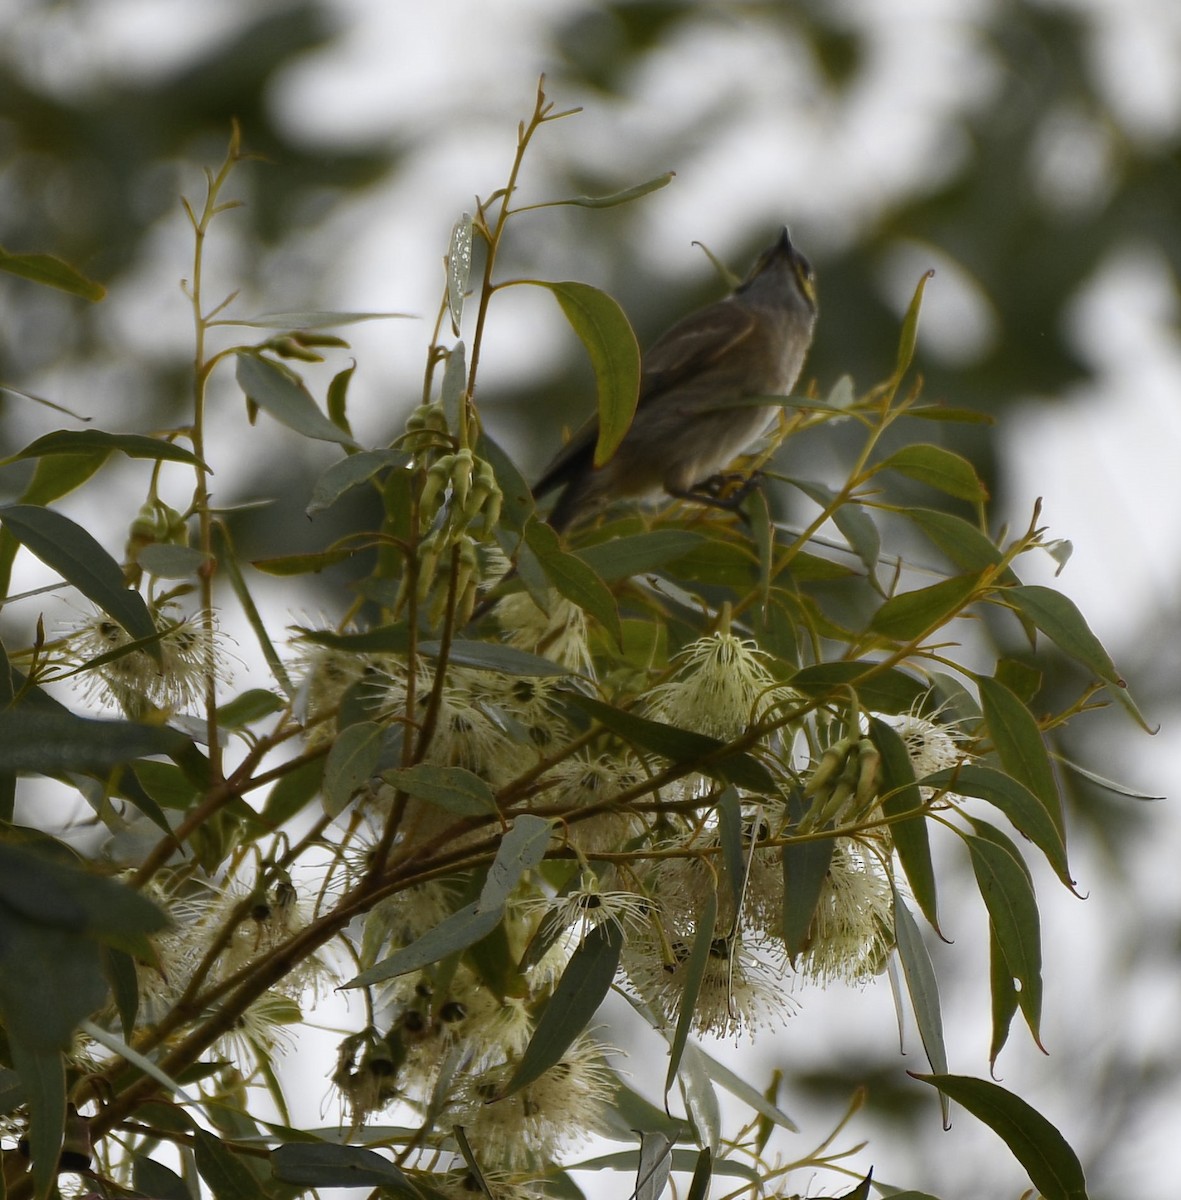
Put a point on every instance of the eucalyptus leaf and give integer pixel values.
(1053, 1167)
(74, 554)
(282, 394)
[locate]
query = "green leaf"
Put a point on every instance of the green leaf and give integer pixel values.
(1007, 890)
(1053, 1167)
(584, 984)
(227, 1175)
(702, 1173)
(151, 1178)
(610, 201)
(453, 389)
(1019, 745)
(352, 762)
(805, 868)
(97, 442)
(292, 793)
(385, 639)
(922, 986)
(1003, 994)
(911, 615)
(653, 1169)
(53, 477)
(281, 393)
(851, 519)
(1060, 620)
(253, 705)
(701, 1100)
(54, 742)
(734, 856)
(521, 849)
(680, 745)
(694, 974)
(605, 332)
(887, 691)
(910, 329)
(750, 1096)
(459, 268)
(963, 544)
(349, 473)
(1015, 800)
(338, 398)
(491, 656)
(938, 468)
(305, 564)
(573, 578)
(452, 788)
(227, 560)
(636, 554)
(105, 1038)
(514, 488)
(57, 895)
(43, 1080)
(75, 555)
(52, 272)
(323, 1164)
(311, 319)
(910, 835)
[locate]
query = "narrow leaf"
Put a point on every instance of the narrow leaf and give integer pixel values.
(654, 1166)
(491, 656)
(679, 745)
(694, 974)
(910, 329)
(701, 1101)
(1015, 800)
(910, 835)
(52, 272)
(922, 986)
(573, 578)
(584, 984)
(75, 555)
(225, 1172)
(324, 1164)
(911, 615)
(349, 473)
(521, 849)
(95, 441)
(352, 762)
(47, 741)
(805, 868)
(281, 393)
(605, 332)
(312, 319)
(945, 470)
(1019, 745)
(1007, 891)
(459, 268)
(1060, 620)
(452, 788)
(635, 554)
(610, 201)
(1053, 1167)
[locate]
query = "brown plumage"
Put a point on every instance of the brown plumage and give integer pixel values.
(688, 425)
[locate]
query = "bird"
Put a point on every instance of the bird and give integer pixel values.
(690, 420)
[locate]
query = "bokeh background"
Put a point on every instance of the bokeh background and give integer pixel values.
(1030, 152)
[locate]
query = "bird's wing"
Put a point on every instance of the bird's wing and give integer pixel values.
(689, 348)
(694, 345)
(573, 457)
